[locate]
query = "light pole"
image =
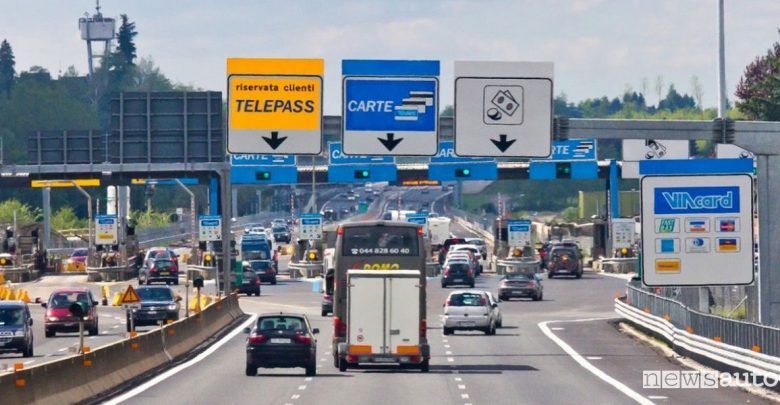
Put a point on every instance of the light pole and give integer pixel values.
(90, 242)
(193, 240)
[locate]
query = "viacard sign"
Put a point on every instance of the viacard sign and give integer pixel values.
(696, 200)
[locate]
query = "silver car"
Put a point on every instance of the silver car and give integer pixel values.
(471, 310)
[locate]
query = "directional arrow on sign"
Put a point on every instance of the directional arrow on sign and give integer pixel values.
(390, 143)
(503, 144)
(274, 141)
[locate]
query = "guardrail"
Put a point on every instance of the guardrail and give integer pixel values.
(18, 274)
(305, 269)
(727, 343)
(84, 376)
(115, 273)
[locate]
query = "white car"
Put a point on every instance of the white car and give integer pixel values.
(471, 310)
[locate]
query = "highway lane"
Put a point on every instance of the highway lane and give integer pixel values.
(520, 364)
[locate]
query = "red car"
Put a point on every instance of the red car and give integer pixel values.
(58, 318)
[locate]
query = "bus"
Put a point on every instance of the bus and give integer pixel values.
(379, 246)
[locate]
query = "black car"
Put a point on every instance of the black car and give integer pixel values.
(16, 333)
(158, 304)
(457, 273)
(564, 260)
(281, 340)
(519, 285)
(265, 270)
(250, 283)
(281, 234)
(446, 246)
(159, 269)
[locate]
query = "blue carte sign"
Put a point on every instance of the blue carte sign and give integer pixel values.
(573, 149)
(390, 104)
(262, 160)
(336, 156)
(447, 154)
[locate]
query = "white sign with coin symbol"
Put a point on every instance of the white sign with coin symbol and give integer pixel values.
(503, 105)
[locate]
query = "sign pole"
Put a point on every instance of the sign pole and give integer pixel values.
(81, 335)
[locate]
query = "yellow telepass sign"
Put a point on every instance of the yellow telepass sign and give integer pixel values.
(275, 106)
(65, 183)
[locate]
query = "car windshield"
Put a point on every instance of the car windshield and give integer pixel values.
(155, 294)
(291, 323)
(478, 242)
(517, 277)
(260, 264)
(11, 316)
(459, 266)
(259, 255)
(163, 263)
(280, 229)
(79, 253)
(63, 300)
(466, 300)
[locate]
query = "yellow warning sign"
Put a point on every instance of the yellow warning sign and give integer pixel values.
(65, 183)
(667, 265)
(130, 296)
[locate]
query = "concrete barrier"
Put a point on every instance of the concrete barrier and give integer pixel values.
(117, 273)
(81, 377)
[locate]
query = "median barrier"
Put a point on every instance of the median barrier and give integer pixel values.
(621, 265)
(18, 274)
(81, 377)
(116, 273)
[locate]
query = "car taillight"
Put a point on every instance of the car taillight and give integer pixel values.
(482, 301)
(531, 284)
(423, 328)
(446, 271)
(269, 270)
(504, 283)
(339, 327)
(257, 281)
(255, 339)
(302, 339)
(449, 302)
(153, 270)
(470, 273)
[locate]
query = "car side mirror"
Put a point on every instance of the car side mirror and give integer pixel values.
(43, 304)
(494, 305)
(178, 299)
(315, 331)
(94, 303)
(30, 321)
(247, 331)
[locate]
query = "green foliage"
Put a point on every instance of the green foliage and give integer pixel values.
(571, 214)
(448, 111)
(65, 218)
(759, 87)
(7, 71)
(151, 219)
(24, 213)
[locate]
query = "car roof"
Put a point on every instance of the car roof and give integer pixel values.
(149, 287)
(267, 314)
(70, 289)
(17, 304)
(464, 246)
(469, 291)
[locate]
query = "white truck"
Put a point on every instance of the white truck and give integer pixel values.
(384, 318)
(439, 229)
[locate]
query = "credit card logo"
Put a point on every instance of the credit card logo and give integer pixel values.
(667, 246)
(697, 245)
(728, 224)
(667, 225)
(727, 245)
(667, 265)
(697, 225)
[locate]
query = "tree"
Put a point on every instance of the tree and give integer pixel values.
(674, 101)
(7, 71)
(448, 111)
(659, 87)
(759, 87)
(24, 213)
(65, 218)
(126, 41)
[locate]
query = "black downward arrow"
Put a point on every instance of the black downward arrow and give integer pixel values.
(390, 143)
(274, 141)
(503, 144)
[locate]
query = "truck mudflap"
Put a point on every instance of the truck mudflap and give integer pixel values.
(405, 355)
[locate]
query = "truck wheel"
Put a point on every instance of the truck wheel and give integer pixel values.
(251, 370)
(537, 297)
(579, 274)
(342, 365)
(425, 366)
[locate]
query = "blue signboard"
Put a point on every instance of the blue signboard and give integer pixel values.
(336, 156)
(463, 172)
(420, 219)
(390, 107)
(573, 149)
(696, 200)
(106, 219)
(547, 170)
(447, 154)
(362, 173)
(696, 166)
(187, 181)
(258, 175)
(262, 160)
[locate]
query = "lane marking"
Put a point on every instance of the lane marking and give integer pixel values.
(586, 365)
(450, 359)
(557, 328)
(296, 396)
(29, 361)
(458, 379)
(464, 396)
(307, 379)
(446, 346)
(657, 397)
(448, 352)
(445, 341)
(593, 358)
(164, 376)
(62, 350)
(461, 386)
(301, 387)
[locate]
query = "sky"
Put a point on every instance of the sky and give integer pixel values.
(599, 47)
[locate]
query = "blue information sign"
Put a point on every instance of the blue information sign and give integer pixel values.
(336, 156)
(573, 149)
(262, 160)
(447, 154)
(390, 107)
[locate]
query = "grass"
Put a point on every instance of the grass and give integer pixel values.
(731, 313)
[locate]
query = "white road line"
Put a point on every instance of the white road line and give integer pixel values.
(450, 359)
(105, 332)
(62, 350)
(461, 386)
(301, 387)
(657, 397)
(445, 341)
(448, 352)
(458, 379)
(296, 396)
(586, 365)
(115, 326)
(29, 361)
(464, 396)
(327, 353)
(307, 379)
(557, 328)
(593, 358)
(164, 376)
(446, 346)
